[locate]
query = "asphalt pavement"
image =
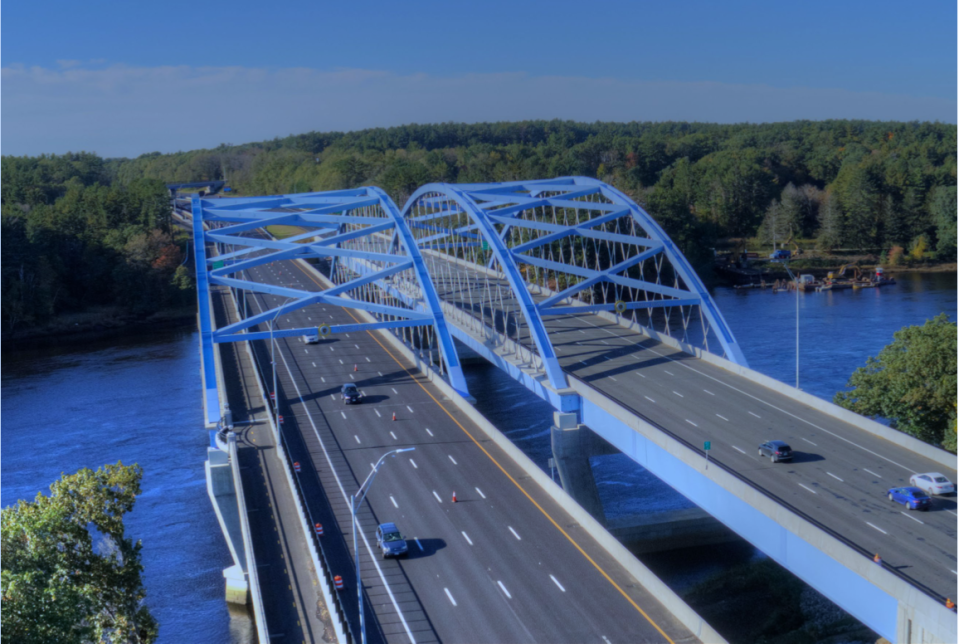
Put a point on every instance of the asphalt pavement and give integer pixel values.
(839, 476)
(504, 563)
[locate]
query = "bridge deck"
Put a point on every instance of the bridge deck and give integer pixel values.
(839, 476)
(504, 564)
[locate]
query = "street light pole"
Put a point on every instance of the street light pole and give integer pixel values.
(796, 285)
(276, 397)
(355, 501)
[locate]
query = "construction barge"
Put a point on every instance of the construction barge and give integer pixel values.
(832, 282)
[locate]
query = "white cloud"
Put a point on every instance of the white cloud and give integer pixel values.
(120, 110)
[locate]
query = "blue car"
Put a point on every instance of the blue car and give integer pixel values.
(912, 497)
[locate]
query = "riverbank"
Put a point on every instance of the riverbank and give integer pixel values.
(95, 324)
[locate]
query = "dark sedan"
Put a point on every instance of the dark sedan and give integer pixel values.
(776, 451)
(351, 395)
(912, 497)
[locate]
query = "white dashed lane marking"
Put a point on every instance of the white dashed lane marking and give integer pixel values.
(876, 528)
(503, 588)
(446, 590)
(756, 415)
(518, 538)
(558, 585)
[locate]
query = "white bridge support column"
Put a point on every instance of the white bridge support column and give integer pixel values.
(573, 444)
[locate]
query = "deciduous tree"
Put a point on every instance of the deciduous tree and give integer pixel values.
(912, 382)
(69, 572)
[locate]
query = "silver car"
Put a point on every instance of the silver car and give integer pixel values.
(932, 483)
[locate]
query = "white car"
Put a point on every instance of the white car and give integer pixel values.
(932, 483)
(312, 339)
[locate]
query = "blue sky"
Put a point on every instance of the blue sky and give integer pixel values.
(128, 78)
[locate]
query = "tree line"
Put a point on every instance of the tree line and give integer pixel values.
(74, 238)
(78, 228)
(845, 184)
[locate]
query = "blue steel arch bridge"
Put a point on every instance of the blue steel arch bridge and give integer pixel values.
(574, 290)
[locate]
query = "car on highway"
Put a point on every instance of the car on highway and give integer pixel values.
(311, 338)
(776, 451)
(390, 541)
(912, 497)
(351, 395)
(932, 483)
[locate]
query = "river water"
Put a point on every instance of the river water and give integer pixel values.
(137, 399)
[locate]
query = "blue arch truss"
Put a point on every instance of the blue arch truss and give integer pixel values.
(568, 246)
(347, 227)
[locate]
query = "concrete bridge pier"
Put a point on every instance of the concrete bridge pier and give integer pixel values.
(573, 445)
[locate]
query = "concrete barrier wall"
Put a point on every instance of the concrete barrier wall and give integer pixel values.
(339, 627)
(256, 597)
(665, 595)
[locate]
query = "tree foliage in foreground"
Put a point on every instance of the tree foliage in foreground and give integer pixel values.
(912, 382)
(69, 573)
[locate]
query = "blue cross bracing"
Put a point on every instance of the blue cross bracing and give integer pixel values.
(362, 226)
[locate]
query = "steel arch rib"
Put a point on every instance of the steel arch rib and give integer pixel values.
(475, 198)
(453, 366)
(681, 265)
(533, 319)
(254, 212)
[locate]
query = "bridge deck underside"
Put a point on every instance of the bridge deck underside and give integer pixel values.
(840, 473)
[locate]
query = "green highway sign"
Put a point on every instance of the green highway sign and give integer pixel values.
(707, 445)
(485, 245)
(218, 264)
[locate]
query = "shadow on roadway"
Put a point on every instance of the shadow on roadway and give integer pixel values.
(430, 548)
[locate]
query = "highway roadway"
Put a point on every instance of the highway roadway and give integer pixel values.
(840, 473)
(504, 563)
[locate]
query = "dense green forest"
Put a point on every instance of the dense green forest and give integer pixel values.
(73, 239)
(845, 184)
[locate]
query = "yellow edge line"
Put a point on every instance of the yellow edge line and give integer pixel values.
(503, 470)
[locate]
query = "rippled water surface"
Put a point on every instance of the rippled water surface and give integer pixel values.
(136, 400)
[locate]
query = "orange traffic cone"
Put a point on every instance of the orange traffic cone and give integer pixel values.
(454, 497)
(355, 368)
(394, 415)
